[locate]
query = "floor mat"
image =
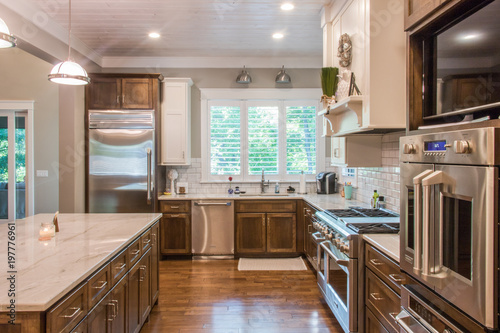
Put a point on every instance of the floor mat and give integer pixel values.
(281, 264)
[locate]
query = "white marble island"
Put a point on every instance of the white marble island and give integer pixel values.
(45, 271)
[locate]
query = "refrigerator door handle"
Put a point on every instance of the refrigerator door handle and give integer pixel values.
(148, 152)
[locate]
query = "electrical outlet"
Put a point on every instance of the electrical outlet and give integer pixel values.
(42, 173)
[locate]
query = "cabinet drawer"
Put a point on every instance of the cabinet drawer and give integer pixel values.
(66, 314)
(99, 285)
(134, 252)
(145, 241)
(175, 206)
(384, 302)
(118, 267)
(267, 206)
(81, 328)
(384, 267)
(372, 325)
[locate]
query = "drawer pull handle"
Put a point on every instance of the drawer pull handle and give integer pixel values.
(174, 207)
(136, 252)
(122, 266)
(142, 268)
(77, 310)
(103, 284)
(396, 278)
(177, 215)
(376, 297)
(148, 241)
(393, 316)
(113, 314)
(376, 262)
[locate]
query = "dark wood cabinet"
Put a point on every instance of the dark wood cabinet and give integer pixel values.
(133, 315)
(111, 92)
(139, 293)
(98, 319)
(281, 232)
(266, 227)
(251, 232)
(155, 257)
(119, 306)
(372, 324)
(417, 10)
(310, 249)
(175, 229)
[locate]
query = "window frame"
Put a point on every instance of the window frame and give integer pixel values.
(244, 98)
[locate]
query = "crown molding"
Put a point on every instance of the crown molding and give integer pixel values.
(212, 62)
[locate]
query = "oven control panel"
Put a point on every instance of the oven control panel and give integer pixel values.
(473, 146)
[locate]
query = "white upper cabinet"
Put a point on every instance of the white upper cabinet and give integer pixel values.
(376, 30)
(176, 121)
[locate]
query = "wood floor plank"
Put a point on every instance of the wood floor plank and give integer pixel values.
(214, 297)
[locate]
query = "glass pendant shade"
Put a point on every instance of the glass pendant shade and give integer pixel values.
(244, 77)
(69, 72)
(283, 77)
(6, 39)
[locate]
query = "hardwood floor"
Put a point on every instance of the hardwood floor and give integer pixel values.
(213, 296)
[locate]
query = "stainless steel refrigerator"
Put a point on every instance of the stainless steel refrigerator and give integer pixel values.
(121, 163)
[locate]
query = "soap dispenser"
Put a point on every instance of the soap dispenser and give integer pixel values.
(374, 200)
(277, 188)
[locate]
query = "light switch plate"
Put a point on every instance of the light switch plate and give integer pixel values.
(42, 173)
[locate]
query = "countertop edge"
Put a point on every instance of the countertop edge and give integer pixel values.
(375, 240)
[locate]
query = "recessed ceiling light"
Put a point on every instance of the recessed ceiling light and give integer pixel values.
(154, 35)
(287, 6)
(470, 36)
(278, 35)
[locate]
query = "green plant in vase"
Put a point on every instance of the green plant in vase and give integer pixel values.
(329, 82)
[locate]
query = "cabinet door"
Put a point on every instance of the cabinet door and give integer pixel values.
(104, 93)
(155, 256)
(134, 317)
(372, 324)
(98, 320)
(119, 306)
(145, 286)
(250, 232)
(137, 93)
(176, 234)
(338, 151)
(417, 10)
(175, 124)
(281, 232)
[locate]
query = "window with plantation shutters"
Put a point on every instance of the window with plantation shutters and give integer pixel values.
(225, 140)
(245, 136)
(300, 139)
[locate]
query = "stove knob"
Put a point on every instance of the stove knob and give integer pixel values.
(328, 236)
(345, 248)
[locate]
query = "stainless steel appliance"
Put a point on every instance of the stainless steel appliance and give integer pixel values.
(212, 228)
(326, 183)
(449, 207)
(121, 162)
(340, 261)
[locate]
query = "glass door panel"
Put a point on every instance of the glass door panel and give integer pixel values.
(20, 151)
(4, 167)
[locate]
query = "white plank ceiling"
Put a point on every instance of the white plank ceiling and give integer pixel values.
(192, 28)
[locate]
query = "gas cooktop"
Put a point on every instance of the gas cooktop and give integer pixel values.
(367, 220)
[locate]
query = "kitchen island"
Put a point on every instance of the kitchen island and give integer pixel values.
(85, 258)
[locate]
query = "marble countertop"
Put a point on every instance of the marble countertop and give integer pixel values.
(47, 270)
(320, 201)
(387, 243)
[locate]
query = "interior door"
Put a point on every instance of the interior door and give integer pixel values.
(464, 249)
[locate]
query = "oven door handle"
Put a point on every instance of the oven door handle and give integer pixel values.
(317, 238)
(410, 324)
(339, 262)
(417, 212)
(435, 178)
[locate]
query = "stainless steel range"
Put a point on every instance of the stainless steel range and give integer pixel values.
(340, 264)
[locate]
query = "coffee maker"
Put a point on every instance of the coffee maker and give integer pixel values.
(326, 183)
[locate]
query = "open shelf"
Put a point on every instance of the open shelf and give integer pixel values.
(354, 103)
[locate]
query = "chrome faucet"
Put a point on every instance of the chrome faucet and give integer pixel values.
(263, 183)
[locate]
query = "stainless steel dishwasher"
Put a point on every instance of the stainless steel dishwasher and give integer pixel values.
(212, 229)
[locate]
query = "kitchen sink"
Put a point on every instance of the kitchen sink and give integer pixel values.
(264, 195)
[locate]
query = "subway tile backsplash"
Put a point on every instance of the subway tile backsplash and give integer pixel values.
(385, 179)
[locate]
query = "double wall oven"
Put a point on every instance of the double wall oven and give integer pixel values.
(449, 231)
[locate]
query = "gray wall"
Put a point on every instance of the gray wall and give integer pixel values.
(24, 77)
(226, 78)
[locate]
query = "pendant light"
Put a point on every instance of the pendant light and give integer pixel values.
(69, 72)
(283, 77)
(244, 77)
(6, 39)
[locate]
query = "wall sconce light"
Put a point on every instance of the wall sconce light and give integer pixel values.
(283, 77)
(244, 77)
